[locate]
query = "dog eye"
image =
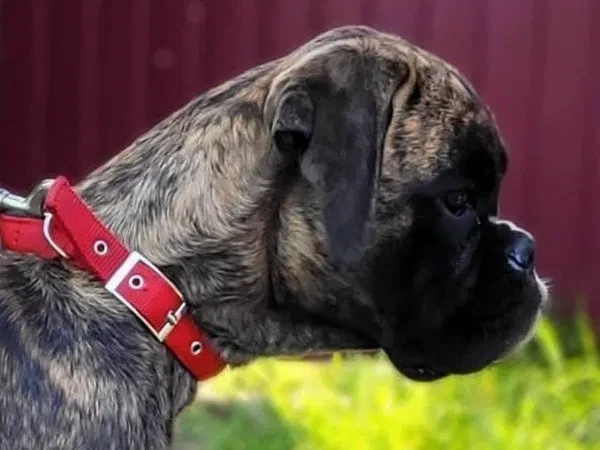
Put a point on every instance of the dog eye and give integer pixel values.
(456, 202)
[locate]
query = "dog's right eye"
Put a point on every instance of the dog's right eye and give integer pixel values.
(456, 202)
(291, 141)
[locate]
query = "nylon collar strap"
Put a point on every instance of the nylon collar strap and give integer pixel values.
(71, 231)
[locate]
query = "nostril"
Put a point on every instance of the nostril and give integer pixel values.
(522, 253)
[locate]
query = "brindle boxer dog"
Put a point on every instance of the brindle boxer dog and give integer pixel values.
(341, 197)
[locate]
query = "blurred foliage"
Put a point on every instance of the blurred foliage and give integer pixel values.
(544, 396)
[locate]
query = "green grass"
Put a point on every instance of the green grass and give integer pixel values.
(543, 397)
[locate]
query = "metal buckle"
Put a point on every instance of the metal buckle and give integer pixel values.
(46, 230)
(173, 317)
(32, 205)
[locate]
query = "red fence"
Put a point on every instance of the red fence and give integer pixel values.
(80, 79)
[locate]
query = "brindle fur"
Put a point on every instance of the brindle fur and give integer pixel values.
(273, 244)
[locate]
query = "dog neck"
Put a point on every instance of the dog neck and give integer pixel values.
(193, 195)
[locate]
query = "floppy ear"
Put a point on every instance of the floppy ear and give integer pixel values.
(334, 130)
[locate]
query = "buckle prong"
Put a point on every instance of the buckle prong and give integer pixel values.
(173, 319)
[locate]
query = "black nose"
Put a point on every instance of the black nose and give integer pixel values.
(521, 252)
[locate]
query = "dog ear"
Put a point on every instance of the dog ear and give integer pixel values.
(334, 130)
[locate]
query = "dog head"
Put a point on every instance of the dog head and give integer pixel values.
(389, 226)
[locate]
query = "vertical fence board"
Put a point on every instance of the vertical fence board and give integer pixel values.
(453, 32)
(63, 89)
(136, 72)
(88, 88)
(36, 154)
(233, 37)
(287, 25)
(194, 48)
(112, 82)
(341, 12)
(397, 16)
(508, 81)
(18, 95)
(588, 219)
(556, 162)
(166, 62)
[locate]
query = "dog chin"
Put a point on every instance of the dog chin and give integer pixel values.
(473, 353)
(422, 373)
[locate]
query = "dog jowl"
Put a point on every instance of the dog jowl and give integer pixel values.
(342, 197)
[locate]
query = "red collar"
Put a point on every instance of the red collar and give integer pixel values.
(71, 231)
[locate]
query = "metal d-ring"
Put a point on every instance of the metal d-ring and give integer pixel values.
(47, 220)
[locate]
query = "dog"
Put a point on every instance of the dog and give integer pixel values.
(342, 197)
